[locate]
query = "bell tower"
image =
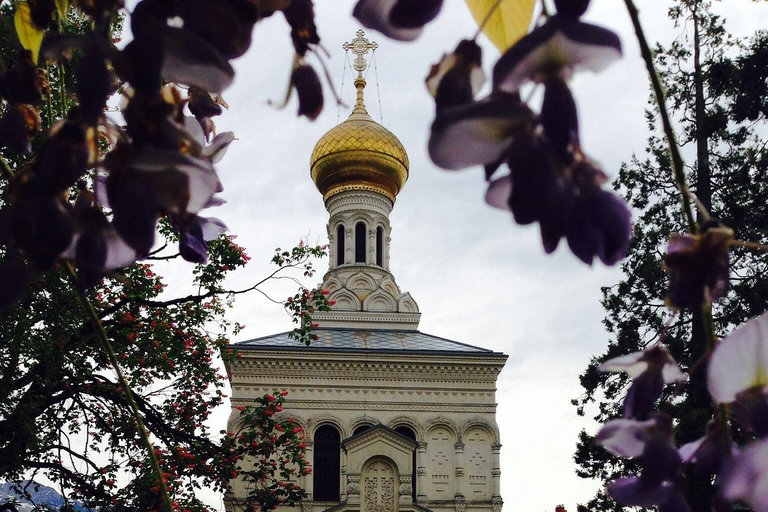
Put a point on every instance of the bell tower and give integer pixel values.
(359, 167)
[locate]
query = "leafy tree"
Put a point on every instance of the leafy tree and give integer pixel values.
(106, 378)
(719, 123)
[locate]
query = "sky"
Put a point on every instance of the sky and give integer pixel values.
(477, 277)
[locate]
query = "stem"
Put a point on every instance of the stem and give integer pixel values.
(750, 245)
(107, 346)
(658, 92)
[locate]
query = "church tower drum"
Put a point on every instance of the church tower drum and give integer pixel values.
(359, 167)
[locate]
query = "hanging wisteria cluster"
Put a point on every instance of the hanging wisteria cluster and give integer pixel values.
(159, 164)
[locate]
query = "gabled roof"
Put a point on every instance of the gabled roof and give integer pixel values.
(359, 340)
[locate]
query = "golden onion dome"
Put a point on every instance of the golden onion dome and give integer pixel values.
(359, 154)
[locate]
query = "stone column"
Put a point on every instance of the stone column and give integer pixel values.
(405, 491)
(353, 490)
(387, 240)
(349, 246)
(332, 250)
(421, 472)
(343, 479)
(370, 258)
(496, 470)
(459, 473)
(308, 481)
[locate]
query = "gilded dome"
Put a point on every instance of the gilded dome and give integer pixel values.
(359, 154)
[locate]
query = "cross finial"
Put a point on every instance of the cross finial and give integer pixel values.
(360, 47)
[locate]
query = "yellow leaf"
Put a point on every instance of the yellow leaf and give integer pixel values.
(508, 22)
(62, 6)
(30, 35)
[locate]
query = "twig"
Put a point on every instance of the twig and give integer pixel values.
(658, 92)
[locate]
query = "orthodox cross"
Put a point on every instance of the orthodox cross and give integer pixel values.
(360, 47)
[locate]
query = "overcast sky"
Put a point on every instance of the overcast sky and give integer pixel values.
(477, 277)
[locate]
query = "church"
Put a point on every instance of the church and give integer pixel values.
(397, 420)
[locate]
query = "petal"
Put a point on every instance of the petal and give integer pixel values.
(211, 227)
(624, 437)
(560, 120)
(216, 150)
(201, 104)
(195, 130)
(94, 85)
(225, 24)
(631, 491)
(747, 477)
(740, 361)
(556, 48)
(119, 253)
(571, 8)
(599, 225)
(498, 192)
(476, 134)
(300, 15)
(375, 14)
(191, 60)
(202, 179)
(643, 393)
(13, 130)
(458, 77)
(535, 185)
(632, 363)
(414, 13)
(309, 90)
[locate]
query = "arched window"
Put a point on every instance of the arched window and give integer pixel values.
(327, 469)
(360, 242)
(410, 434)
(340, 235)
(379, 246)
(361, 429)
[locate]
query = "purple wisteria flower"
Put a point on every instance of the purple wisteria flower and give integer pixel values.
(747, 477)
(698, 266)
(738, 374)
(458, 77)
(551, 181)
(403, 20)
(650, 370)
(651, 443)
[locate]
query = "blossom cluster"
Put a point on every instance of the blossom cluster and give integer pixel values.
(551, 181)
(95, 193)
(736, 379)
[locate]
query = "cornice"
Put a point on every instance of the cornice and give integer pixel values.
(296, 405)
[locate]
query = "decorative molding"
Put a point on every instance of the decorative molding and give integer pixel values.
(318, 421)
(442, 421)
(484, 424)
(408, 421)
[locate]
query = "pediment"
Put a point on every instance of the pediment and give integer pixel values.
(379, 441)
(380, 300)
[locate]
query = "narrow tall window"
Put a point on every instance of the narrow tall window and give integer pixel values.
(410, 434)
(326, 469)
(360, 242)
(340, 235)
(379, 246)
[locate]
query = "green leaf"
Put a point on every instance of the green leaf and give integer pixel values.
(508, 22)
(30, 35)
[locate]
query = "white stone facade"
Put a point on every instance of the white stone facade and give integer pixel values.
(446, 399)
